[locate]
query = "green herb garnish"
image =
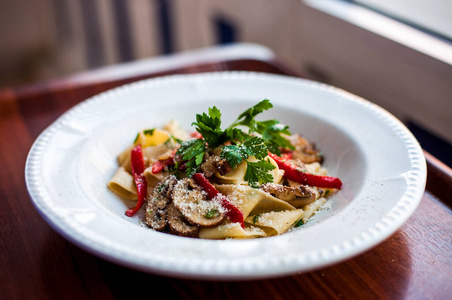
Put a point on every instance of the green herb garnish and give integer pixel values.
(211, 213)
(257, 172)
(255, 218)
(145, 132)
(173, 138)
(149, 131)
(192, 151)
(242, 144)
(253, 146)
(299, 223)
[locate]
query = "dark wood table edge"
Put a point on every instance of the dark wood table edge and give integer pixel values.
(439, 179)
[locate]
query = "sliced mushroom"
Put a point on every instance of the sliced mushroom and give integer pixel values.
(209, 166)
(156, 207)
(214, 164)
(165, 188)
(305, 151)
(192, 202)
(303, 194)
(178, 224)
(156, 218)
(224, 167)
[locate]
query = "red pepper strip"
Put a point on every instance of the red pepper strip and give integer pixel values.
(183, 166)
(291, 172)
(140, 180)
(286, 150)
(288, 155)
(232, 212)
(159, 165)
(196, 135)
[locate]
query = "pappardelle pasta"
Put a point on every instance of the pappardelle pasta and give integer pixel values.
(252, 179)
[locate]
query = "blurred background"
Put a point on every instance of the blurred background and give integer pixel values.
(396, 53)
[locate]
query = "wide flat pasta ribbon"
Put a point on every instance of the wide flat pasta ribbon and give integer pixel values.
(274, 223)
(252, 201)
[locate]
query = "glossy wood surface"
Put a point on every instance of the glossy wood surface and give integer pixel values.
(37, 263)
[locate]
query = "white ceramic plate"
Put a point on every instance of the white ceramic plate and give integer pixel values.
(378, 160)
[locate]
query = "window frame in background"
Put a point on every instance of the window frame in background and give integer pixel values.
(419, 61)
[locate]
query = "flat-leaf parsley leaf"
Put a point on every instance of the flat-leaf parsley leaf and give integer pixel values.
(257, 172)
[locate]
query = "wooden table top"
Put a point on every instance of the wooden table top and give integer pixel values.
(37, 263)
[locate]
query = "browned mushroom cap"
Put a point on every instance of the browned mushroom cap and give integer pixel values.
(155, 217)
(178, 224)
(209, 166)
(302, 194)
(192, 202)
(305, 151)
(156, 207)
(214, 164)
(165, 187)
(224, 167)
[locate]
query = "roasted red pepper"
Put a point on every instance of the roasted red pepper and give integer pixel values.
(292, 172)
(232, 212)
(159, 165)
(137, 162)
(287, 155)
(196, 135)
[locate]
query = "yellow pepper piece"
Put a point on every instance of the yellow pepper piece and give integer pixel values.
(155, 138)
(152, 137)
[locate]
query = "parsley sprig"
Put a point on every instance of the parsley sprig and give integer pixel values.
(261, 137)
(192, 151)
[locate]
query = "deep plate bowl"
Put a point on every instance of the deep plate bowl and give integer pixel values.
(378, 160)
